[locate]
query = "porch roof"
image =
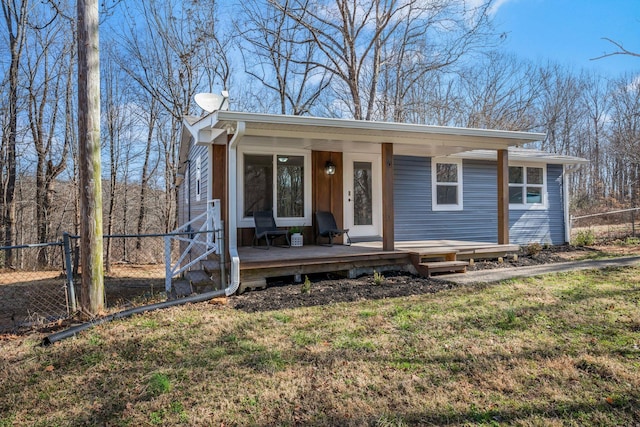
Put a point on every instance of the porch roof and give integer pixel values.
(328, 134)
(528, 155)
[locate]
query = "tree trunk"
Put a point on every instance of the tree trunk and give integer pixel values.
(144, 179)
(16, 20)
(91, 242)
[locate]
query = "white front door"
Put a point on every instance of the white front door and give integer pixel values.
(362, 195)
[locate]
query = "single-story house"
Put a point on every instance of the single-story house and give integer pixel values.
(386, 182)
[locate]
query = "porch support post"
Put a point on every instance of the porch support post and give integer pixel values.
(503, 197)
(388, 231)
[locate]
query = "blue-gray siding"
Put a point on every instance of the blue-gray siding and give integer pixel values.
(544, 225)
(415, 220)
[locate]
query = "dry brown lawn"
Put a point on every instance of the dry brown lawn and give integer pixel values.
(553, 350)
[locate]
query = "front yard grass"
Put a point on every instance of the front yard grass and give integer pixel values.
(556, 350)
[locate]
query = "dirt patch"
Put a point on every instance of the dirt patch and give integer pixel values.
(327, 289)
(36, 299)
(533, 255)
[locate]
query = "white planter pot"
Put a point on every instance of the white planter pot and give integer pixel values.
(296, 240)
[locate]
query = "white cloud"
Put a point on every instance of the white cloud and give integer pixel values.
(497, 4)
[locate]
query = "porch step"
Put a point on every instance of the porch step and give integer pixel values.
(201, 281)
(443, 267)
(437, 260)
(488, 253)
(181, 288)
(210, 266)
(435, 254)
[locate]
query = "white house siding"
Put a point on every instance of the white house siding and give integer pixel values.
(187, 190)
(415, 220)
(198, 207)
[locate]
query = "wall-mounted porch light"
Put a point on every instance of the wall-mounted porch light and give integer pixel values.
(329, 168)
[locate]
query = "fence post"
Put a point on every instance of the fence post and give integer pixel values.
(167, 264)
(69, 270)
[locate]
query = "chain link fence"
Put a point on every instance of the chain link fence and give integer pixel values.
(609, 226)
(33, 286)
(38, 283)
(134, 269)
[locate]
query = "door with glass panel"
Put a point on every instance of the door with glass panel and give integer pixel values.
(362, 193)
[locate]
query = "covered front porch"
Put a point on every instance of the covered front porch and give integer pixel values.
(418, 257)
(295, 166)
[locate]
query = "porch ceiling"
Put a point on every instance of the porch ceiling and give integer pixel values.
(325, 134)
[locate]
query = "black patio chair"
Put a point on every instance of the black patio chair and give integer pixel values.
(266, 228)
(327, 227)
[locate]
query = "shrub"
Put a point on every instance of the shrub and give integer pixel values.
(584, 238)
(306, 286)
(533, 249)
(378, 278)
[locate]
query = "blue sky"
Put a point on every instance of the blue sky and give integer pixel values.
(570, 32)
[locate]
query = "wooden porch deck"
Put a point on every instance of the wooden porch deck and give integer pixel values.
(256, 265)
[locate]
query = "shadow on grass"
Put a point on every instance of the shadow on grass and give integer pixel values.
(202, 365)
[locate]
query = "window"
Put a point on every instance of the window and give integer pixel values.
(258, 183)
(274, 181)
(446, 177)
(526, 186)
(290, 186)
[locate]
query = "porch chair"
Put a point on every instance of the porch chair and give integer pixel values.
(327, 227)
(266, 228)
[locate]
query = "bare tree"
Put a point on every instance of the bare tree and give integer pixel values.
(625, 136)
(357, 39)
(597, 105)
(561, 109)
(500, 92)
(172, 66)
(280, 58)
(15, 16)
(49, 67)
(147, 167)
(435, 99)
(115, 106)
(619, 50)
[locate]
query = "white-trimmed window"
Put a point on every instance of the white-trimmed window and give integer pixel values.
(278, 181)
(527, 186)
(446, 184)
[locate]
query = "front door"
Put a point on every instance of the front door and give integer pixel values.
(362, 192)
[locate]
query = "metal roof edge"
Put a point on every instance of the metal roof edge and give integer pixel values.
(523, 155)
(223, 116)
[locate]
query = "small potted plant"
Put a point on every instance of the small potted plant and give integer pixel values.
(296, 236)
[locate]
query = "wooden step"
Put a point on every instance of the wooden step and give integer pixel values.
(201, 281)
(197, 277)
(181, 288)
(444, 267)
(489, 253)
(434, 254)
(210, 266)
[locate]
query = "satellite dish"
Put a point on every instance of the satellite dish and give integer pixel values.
(211, 102)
